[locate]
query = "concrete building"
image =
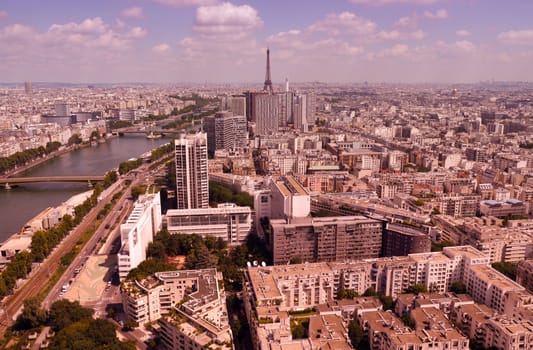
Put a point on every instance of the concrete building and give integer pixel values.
(228, 222)
(266, 113)
(503, 208)
(325, 239)
(138, 231)
(189, 305)
(402, 240)
(289, 199)
(524, 274)
(192, 181)
(225, 130)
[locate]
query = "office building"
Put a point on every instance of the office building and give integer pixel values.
(225, 130)
(266, 113)
(234, 103)
(138, 231)
(228, 222)
(192, 181)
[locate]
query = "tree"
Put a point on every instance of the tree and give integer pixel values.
(347, 294)
(64, 313)
(417, 289)
(458, 287)
(387, 301)
(32, 315)
(507, 268)
(74, 140)
(355, 332)
(370, 292)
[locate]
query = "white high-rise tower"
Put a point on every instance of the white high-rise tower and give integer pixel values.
(192, 180)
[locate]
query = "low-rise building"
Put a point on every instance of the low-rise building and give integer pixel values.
(228, 221)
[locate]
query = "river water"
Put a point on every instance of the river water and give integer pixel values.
(20, 204)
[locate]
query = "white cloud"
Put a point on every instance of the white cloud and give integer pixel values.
(187, 3)
(161, 48)
(398, 35)
(226, 18)
(407, 22)
(462, 32)
(398, 50)
(344, 23)
(119, 24)
(439, 14)
(392, 2)
(465, 45)
(517, 37)
(3, 14)
(137, 32)
(133, 12)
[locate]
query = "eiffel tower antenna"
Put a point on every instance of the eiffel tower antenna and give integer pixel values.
(268, 81)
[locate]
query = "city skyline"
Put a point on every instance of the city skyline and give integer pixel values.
(210, 41)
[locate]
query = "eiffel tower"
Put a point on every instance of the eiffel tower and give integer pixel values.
(268, 81)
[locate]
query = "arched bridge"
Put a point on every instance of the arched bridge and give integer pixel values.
(76, 178)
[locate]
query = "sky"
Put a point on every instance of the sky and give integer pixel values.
(212, 41)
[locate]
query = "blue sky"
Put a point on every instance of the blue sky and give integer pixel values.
(214, 41)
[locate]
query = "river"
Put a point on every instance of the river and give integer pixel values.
(20, 204)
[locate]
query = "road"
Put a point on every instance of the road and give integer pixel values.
(120, 209)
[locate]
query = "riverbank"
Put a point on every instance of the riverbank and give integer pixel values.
(60, 152)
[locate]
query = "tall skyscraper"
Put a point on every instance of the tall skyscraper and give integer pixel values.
(268, 81)
(28, 87)
(266, 112)
(192, 181)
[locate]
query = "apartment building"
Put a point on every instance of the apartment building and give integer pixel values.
(524, 274)
(189, 305)
(402, 240)
(138, 231)
(325, 239)
(192, 181)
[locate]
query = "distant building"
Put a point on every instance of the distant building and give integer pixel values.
(62, 110)
(192, 181)
(225, 130)
(138, 231)
(28, 87)
(266, 113)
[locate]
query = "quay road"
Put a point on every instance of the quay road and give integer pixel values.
(39, 278)
(119, 211)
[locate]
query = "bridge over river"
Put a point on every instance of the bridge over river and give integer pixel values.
(8, 181)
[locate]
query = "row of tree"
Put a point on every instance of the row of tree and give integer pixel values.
(74, 325)
(161, 151)
(21, 158)
(43, 242)
(129, 165)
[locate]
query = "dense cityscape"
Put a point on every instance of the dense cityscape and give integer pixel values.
(273, 216)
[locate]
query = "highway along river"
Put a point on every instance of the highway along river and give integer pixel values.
(19, 204)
